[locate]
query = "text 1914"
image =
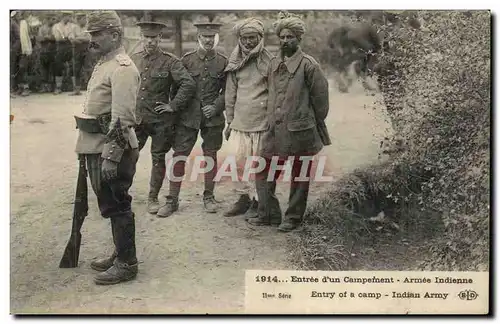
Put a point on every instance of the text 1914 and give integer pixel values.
(266, 279)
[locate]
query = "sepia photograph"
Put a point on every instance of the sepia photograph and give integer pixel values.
(250, 161)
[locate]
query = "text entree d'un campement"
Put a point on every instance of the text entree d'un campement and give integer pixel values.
(374, 279)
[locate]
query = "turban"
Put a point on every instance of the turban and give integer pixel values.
(249, 25)
(290, 21)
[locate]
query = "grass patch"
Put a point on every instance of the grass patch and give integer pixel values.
(362, 213)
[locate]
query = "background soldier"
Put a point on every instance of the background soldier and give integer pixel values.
(21, 51)
(204, 114)
(246, 105)
(80, 42)
(155, 112)
(47, 52)
(15, 50)
(297, 107)
(63, 33)
(113, 151)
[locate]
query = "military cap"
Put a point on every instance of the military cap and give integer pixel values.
(208, 28)
(151, 28)
(103, 20)
(13, 13)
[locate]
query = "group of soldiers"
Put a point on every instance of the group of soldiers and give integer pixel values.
(57, 48)
(267, 106)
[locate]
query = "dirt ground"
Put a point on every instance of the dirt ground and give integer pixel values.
(191, 262)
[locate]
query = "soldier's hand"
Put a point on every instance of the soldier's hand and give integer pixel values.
(163, 108)
(227, 132)
(109, 170)
(208, 111)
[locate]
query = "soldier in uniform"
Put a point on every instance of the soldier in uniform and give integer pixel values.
(15, 50)
(80, 42)
(47, 52)
(111, 149)
(63, 33)
(21, 52)
(297, 107)
(156, 113)
(204, 115)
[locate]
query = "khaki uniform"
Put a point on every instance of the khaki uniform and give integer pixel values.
(160, 72)
(47, 55)
(107, 134)
(207, 69)
(113, 90)
(80, 42)
(297, 107)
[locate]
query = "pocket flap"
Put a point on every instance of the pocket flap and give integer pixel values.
(160, 75)
(194, 73)
(301, 124)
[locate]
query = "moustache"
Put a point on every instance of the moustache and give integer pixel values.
(93, 45)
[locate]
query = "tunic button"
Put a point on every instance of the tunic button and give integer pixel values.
(146, 69)
(144, 79)
(109, 158)
(143, 89)
(142, 98)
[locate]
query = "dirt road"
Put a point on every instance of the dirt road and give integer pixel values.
(191, 262)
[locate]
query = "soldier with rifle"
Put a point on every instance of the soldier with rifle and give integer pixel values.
(107, 146)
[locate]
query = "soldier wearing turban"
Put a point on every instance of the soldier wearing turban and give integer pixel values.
(297, 107)
(245, 105)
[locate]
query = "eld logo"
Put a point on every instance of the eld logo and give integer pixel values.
(467, 295)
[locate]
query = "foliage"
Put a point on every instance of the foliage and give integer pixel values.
(443, 115)
(434, 75)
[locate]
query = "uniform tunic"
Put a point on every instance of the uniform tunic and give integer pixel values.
(298, 102)
(112, 88)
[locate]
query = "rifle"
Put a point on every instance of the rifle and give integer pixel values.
(80, 211)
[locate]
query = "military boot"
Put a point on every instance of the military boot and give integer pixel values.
(252, 211)
(288, 225)
(240, 207)
(104, 263)
(210, 204)
(153, 205)
(125, 266)
(155, 184)
(119, 272)
(171, 206)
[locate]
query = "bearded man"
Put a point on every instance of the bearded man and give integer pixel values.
(297, 108)
(246, 104)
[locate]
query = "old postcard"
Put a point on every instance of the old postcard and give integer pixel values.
(250, 162)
